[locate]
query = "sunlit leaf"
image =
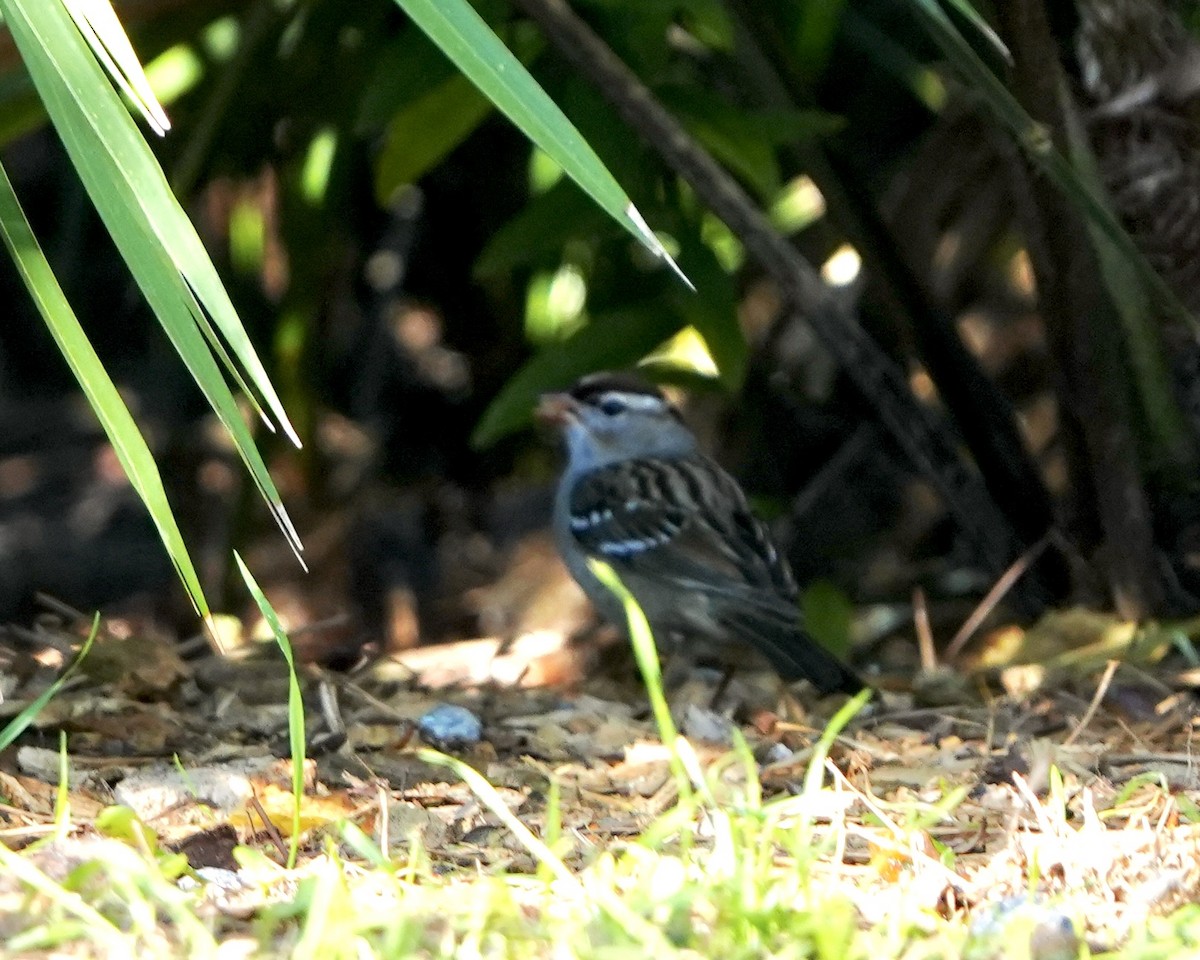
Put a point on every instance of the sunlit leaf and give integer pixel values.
(407, 68)
(536, 235)
(154, 235)
(127, 441)
(713, 311)
(814, 36)
(744, 140)
(467, 40)
(828, 614)
(710, 21)
(99, 25)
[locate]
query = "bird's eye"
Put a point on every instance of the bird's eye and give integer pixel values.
(611, 406)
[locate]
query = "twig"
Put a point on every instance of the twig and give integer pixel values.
(867, 799)
(1006, 582)
(919, 713)
(269, 827)
(327, 695)
(61, 607)
(385, 840)
(924, 631)
(61, 642)
(1101, 690)
(354, 690)
(1025, 791)
(908, 840)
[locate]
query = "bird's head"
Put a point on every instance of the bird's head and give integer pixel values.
(609, 417)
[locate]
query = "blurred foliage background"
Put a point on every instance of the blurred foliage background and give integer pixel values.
(1003, 198)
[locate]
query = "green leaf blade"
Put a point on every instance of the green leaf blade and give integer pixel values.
(149, 227)
(464, 37)
(118, 424)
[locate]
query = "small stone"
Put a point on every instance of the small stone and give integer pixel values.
(450, 727)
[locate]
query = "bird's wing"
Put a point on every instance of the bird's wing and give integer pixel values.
(682, 521)
(684, 524)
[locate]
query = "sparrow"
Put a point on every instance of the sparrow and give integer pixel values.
(638, 493)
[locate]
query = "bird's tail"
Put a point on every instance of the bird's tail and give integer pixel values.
(793, 653)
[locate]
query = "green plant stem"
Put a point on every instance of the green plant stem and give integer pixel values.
(646, 652)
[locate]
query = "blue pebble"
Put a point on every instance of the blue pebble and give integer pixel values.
(450, 727)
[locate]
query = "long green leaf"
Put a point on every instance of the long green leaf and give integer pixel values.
(464, 37)
(127, 441)
(973, 17)
(51, 44)
(154, 235)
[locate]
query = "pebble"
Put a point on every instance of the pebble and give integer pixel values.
(450, 727)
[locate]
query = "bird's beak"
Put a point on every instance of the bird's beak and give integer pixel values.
(557, 409)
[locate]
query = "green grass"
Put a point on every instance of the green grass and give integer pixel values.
(17, 725)
(724, 871)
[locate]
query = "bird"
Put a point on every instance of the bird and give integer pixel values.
(638, 493)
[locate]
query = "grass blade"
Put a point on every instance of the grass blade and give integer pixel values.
(815, 774)
(646, 653)
(62, 794)
(649, 935)
(18, 724)
(98, 927)
(295, 705)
